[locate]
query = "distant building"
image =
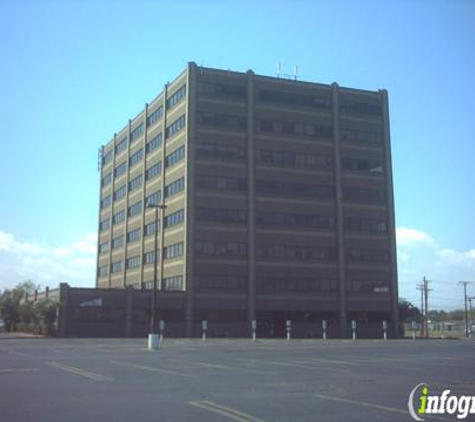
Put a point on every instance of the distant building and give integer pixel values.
(279, 200)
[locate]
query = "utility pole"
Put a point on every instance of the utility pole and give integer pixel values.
(426, 296)
(421, 288)
(464, 283)
(471, 315)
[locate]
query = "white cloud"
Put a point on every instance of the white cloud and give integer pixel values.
(453, 257)
(406, 236)
(46, 265)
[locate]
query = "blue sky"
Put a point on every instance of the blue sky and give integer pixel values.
(73, 73)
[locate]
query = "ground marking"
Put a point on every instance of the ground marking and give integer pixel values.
(15, 370)
(153, 369)
(372, 406)
(229, 412)
(78, 371)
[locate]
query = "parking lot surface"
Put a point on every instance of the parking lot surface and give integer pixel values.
(71, 380)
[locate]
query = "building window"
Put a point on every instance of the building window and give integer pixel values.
(371, 196)
(175, 127)
(133, 236)
(105, 202)
(301, 100)
(173, 251)
(155, 116)
(268, 218)
(222, 120)
(292, 159)
(173, 283)
(361, 136)
(218, 183)
(368, 255)
(104, 247)
(154, 143)
(174, 187)
(304, 284)
(120, 169)
(149, 257)
(133, 262)
(216, 282)
(299, 252)
(107, 158)
(220, 215)
(373, 167)
(222, 90)
(136, 133)
(136, 157)
(102, 271)
(106, 179)
(366, 225)
(121, 146)
(220, 152)
(120, 193)
(150, 228)
(221, 248)
(135, 183)
(117, 242)
(104, 224)
(354, 107)
(118, 217)
(292, 128)
(176, 97)
(270, 187)
(174, 218)
(153, 199)
(117, 266)
(135, 209)
(153, 171)
(175, 157)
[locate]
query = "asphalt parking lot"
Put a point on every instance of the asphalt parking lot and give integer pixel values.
(225, 379)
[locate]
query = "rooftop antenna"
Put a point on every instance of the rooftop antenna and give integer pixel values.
(296, 72)
(279, 69)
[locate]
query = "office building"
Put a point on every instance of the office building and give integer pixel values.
(279, 205)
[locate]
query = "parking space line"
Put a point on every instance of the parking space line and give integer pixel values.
(234, 368)
(323, 360)
(78, 371)
(17, 370)
(294, 364)
(372, 406)
(152, 368)
(226, 411)
(13, 352)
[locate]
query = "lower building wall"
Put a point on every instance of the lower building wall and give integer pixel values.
(126, 313)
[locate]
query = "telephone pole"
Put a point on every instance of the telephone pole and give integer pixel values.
(426, 309)
(464, 283)
(421, 288)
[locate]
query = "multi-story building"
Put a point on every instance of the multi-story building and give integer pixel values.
(279, 204)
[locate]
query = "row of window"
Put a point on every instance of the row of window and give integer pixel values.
(169, 283)
(155, 116)
(304, 284)
(173, 251)
(175, 187)
(176, 97)
(368, 255)
(222, 120)
(175, 157)
(294, 189)
(361, 136)
(121, 146)
(373, 196)
(222, 90)
(154, 143)
(219, 215)
(294, 220)
(221, 183)
(153, 171)
(300, 100)
(220, 248)
(221, 152)
(175, 218)
(175, 127)
(366, 225)
(135, 183)
(292, 159)
(136, 133)
(375, 167)
(347, 106)
(296, 252)
(292, 128)
(136, 157)
(215, 282)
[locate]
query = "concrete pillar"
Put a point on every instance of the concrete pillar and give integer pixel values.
(251, 202)
(129, 310)
(339, 214)
(63, 310)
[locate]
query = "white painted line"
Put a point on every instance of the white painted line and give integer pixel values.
(152, 369)
(226, 411)
(78, 371)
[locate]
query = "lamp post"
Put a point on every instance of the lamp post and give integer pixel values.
(153, 335)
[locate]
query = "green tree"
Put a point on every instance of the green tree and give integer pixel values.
(45, 311)
(408, 312)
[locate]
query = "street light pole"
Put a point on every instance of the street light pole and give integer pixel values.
(153, 335)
